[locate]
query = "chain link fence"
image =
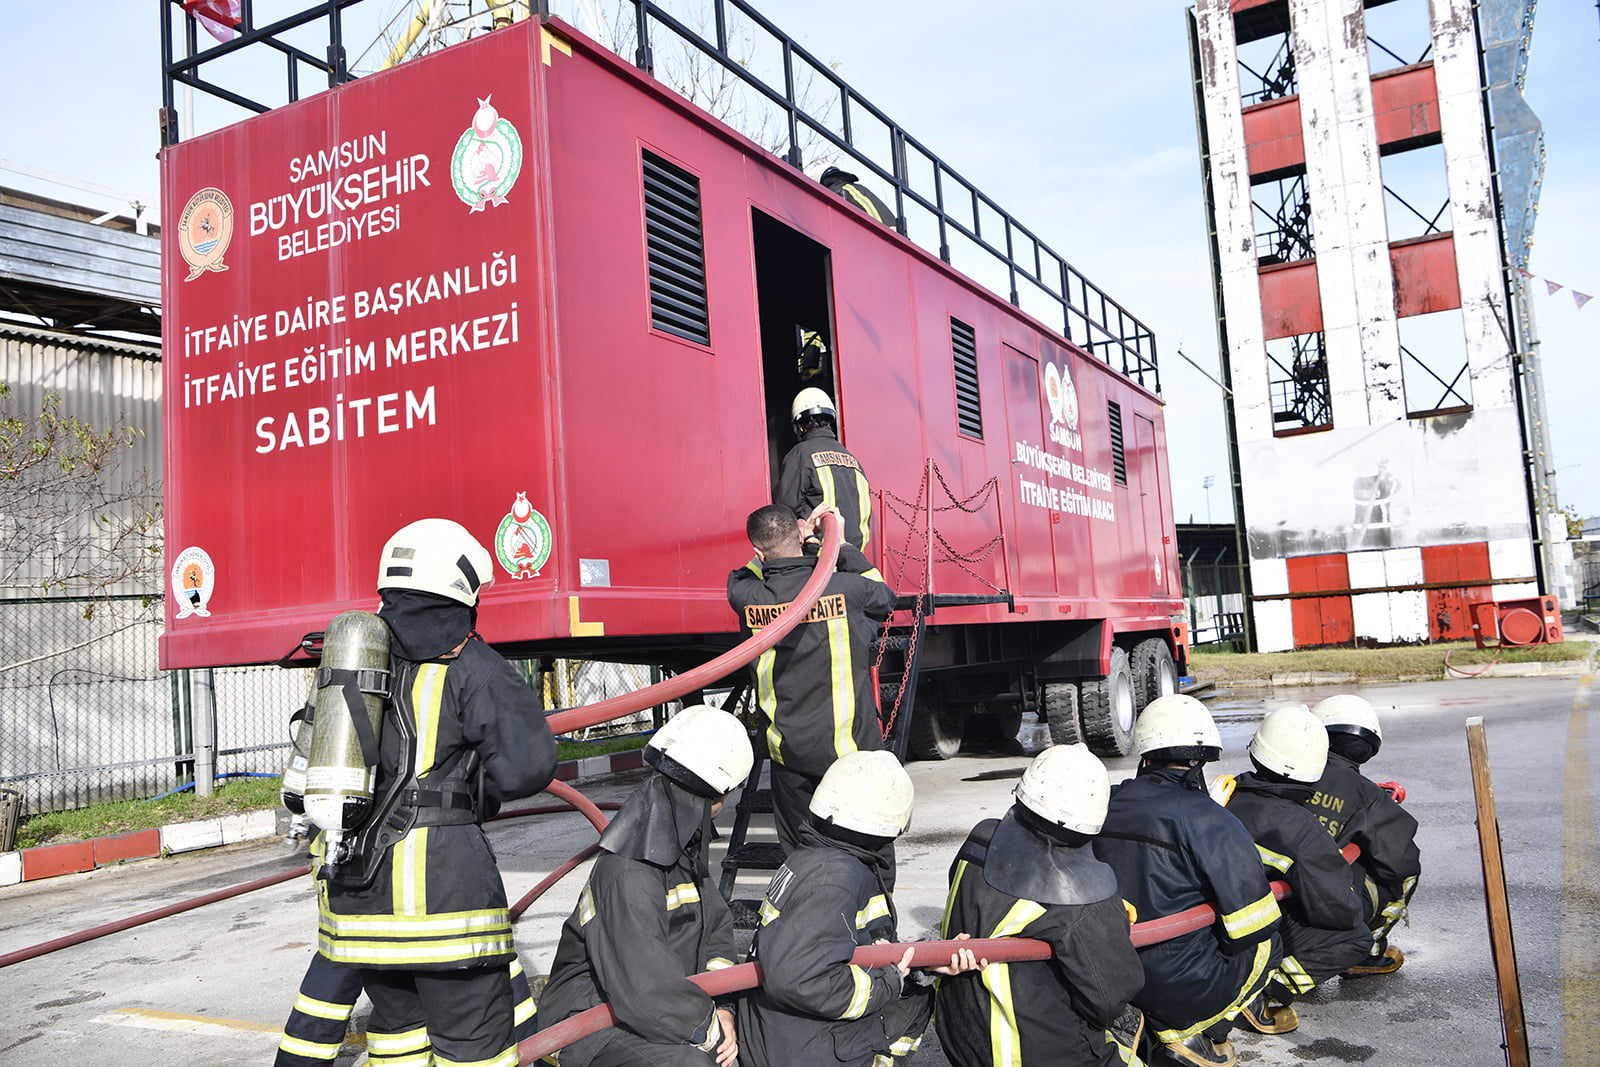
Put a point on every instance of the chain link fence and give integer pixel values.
(86, 716)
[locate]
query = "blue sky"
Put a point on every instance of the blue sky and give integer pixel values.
(1078, 118)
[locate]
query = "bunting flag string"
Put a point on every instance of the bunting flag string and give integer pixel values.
(1552, 288)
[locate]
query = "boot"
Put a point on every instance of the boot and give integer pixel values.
(1265, 1017)
(1200, 1049)
(1388, 963)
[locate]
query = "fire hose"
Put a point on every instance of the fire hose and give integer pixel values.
(923, 954)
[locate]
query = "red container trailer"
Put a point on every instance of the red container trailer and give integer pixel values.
(521, 284)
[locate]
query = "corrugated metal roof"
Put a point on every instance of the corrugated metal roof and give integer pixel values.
(76, 340)
(42, 248)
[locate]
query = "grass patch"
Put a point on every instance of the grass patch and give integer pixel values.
(232, 797)
(567, 750)
(1376, 664)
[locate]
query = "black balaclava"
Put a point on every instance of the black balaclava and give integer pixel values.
(424, 626)
(1353, 748)
(1290, 787)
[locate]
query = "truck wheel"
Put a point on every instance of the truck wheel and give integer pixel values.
(1107, 708)
(1061, 713)
(935, 733)
(1154, 673)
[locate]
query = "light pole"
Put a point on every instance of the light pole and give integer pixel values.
(1206, 484)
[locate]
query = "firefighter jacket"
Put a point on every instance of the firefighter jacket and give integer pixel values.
(435, 900)
(819, 471)
(814, 1006)
(639, 930)
(1354, 809)
(1173, 848)
(1053, 1011)
(1322, 930)
(815, 687)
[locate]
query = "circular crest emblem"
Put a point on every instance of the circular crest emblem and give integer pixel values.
(204, 231)
(523, 541)
(1069, 400)
(1052, 391)
(193, 578)
(487, 159)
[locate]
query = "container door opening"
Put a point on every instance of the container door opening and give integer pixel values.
(794, 298)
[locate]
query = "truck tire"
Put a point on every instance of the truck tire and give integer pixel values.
(935, 732)
(1061, 713)
(1154, 673)
(1106, 705)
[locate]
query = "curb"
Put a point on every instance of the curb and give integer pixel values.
(1556, 668)
(75, 857)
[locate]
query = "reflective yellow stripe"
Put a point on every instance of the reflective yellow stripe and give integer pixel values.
(862, 202)
(1005, 1041)
(844, 686)
(873, 575)
(830, 498)
(1294, 976)
(1276, 860)
(858, 1000)
(754, 567)
(1250, 918)
(439, 925)
(717, 963)
(768, 912)
(408, 875)
(679, 895)
(905, 1045)
(585, 906)
(950, 900)
(864, 494)
(414, 1040)
(1251, 984)
(524, 1010)
(427, 696)
(508, 1058)
(311, 1050)
(767, 699)
(877, 908)
(320, 1009)
(384, 953)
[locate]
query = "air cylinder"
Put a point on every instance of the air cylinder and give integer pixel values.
(352, 686)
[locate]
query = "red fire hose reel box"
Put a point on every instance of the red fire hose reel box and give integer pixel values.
(1508, 623)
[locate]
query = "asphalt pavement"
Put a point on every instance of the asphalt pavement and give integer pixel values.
(213, 985)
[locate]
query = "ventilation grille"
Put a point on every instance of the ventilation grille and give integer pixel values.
(1119, 459)
(964, 345)
(676, 249)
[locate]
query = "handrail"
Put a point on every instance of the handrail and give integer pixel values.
(671, 688)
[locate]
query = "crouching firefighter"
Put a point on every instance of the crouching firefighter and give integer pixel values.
(1034, 874)
(412, 897)
(651, 915)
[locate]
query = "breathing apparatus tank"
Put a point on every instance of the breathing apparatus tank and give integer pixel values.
(352, 686)
(292, 791)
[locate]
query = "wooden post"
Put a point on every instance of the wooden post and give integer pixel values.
(1501, 944)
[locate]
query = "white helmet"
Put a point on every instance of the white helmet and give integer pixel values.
(1350, 714)
(1066, 785)
(868, 792)
(1176, 727)
(1291, 741)
(813, 401)
(436, 556)
(702, 749)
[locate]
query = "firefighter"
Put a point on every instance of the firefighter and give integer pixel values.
(421, 910)
(1173, 848)
(1356, 809)
(849, 186)
(814, 1006)
(320, 1018)
(1322, 929)
(1034, 874)
(819, 472)
(651, 915)
(814, 687)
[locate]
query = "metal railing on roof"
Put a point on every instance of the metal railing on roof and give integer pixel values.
(1034, 275)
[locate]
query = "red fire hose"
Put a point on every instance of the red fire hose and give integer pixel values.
(616, 707)
(923, 954)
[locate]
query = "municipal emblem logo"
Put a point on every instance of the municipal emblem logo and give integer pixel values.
(522, 543)
(193, 578)
(1061, 395)
(487, 159)
(204, 231)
